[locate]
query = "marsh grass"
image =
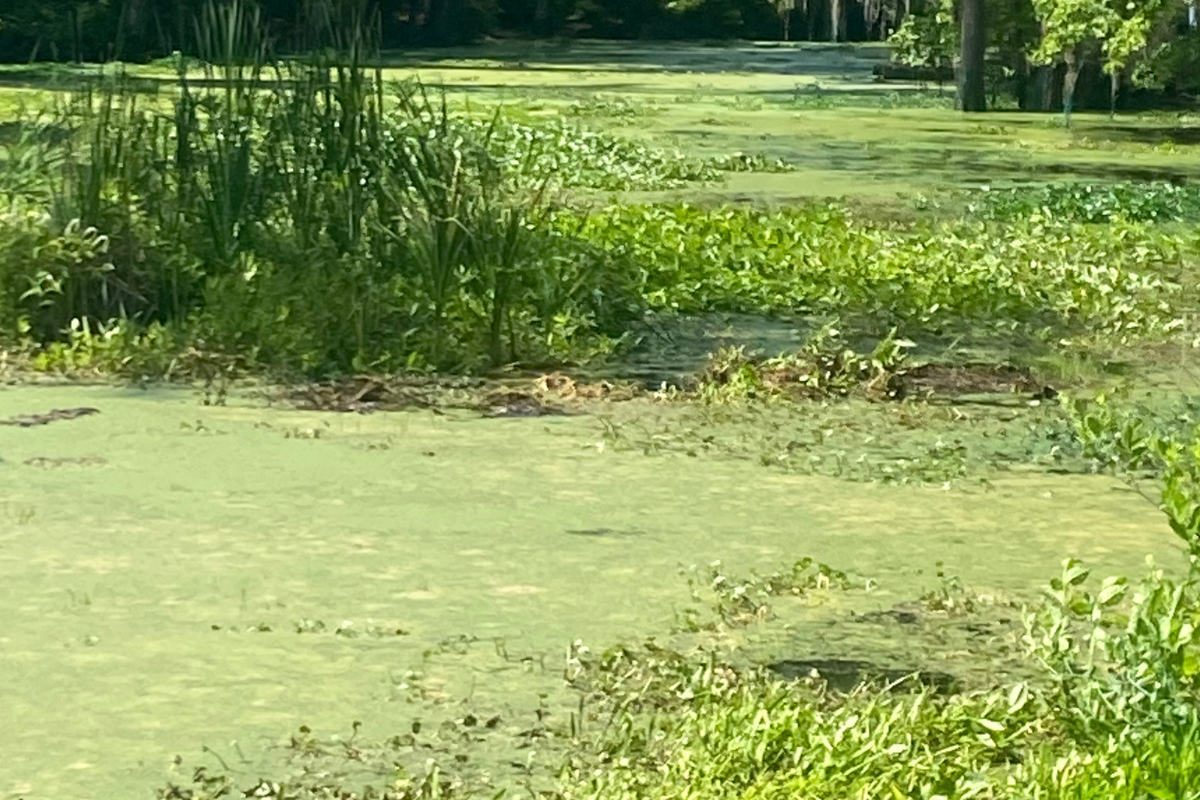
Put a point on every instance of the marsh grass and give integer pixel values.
(301, 213)
(310, 218)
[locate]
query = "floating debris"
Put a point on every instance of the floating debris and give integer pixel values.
(365, 394)
(49, 463)
(517, 404)
(57, 415)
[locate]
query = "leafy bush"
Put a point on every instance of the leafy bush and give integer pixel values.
(1120, 671)
(41, 263)
(1140, 443)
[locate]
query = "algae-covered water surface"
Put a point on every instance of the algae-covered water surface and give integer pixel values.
(175, 576)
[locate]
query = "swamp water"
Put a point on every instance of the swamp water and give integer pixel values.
(175, 576)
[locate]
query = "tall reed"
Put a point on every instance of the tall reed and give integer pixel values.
(307, 211)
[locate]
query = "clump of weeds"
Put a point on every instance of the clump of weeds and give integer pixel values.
(737, 601)
(824, 367)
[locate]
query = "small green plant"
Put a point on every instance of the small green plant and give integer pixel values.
(1139, 445)
(951, 598)
(1124, 662)
(823, 367)
(739, 601)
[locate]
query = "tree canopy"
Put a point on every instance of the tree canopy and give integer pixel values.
(1045, 51)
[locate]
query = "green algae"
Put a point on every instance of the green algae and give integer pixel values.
(152, 602)
(816, 106)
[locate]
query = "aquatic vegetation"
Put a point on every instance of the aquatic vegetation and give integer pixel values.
(572, 156)
(1092, 203)
(460, 243)
(1116, 700)
(959, 447)
(743, 600)
(1124, 280)
(1111, 712)
(309, 218)
(232, 230)
(824, 367)
(610, 108)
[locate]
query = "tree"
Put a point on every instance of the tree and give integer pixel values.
(785, 8)
(1135, 27)
(971, 90)
(1068, 28)
(1117, 32)
(928, 39)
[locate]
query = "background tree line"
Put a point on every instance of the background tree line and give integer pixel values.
(136, 29)
(1048, 54)
(1052, 54)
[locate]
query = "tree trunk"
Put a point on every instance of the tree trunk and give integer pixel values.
(971, 91)
(1043, 88)
(1069, 81)
(835, 20)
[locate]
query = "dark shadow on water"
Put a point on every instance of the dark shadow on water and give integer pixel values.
(44, 76)
(1185, 135)
(661, 57)
(68, 80)
(844, 675)
(42, 133)
(1120, 172)
(603, 532)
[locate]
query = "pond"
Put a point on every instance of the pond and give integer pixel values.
(175, 576)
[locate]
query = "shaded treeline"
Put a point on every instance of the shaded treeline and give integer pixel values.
(140, 29)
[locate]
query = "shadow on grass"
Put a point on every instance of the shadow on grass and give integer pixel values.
(1153, 135)
(46, 76)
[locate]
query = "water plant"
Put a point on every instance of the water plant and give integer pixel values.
(303, 214)
(1092, 203)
